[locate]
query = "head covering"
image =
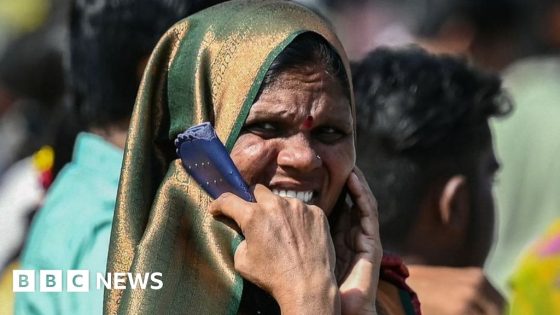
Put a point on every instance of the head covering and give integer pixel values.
(208, 67)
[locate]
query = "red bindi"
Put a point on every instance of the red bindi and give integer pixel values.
(308, 123)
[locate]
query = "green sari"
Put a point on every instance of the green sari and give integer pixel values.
(208, 67)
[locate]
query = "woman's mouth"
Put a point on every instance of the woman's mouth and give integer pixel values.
(304, 196)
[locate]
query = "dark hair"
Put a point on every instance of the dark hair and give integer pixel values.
(419, 117)
(108, 41)
(308, 49)
(31, 69)
(37, 54)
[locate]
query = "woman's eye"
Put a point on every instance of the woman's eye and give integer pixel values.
(262, 129)
(328, 134)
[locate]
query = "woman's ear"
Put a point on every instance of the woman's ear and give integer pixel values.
(454, 202)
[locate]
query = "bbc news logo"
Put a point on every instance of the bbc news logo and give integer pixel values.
(79, 281)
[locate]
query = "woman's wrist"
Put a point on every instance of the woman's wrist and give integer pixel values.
(311, 296)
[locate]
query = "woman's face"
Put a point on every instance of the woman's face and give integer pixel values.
(298, 138)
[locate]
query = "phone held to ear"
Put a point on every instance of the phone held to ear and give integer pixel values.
(207, 161)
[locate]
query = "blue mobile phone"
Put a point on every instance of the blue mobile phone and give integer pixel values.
(206, 159)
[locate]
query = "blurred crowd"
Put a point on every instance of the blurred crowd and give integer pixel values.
(390, 42)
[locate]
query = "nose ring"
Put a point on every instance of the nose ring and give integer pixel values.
(318, 157)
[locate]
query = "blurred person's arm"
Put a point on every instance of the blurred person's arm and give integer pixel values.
(455, 291)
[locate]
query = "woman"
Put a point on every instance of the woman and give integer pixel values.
(274, 81)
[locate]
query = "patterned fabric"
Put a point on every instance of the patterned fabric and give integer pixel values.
(208, 67)
(536, 283)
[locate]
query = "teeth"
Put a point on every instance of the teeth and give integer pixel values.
(304, 196)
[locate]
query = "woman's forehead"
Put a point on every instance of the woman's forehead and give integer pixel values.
(296, 94)
(303, 75)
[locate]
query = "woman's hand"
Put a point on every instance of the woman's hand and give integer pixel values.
(287, 251)
(358, 249)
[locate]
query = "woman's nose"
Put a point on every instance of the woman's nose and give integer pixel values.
(298, 154)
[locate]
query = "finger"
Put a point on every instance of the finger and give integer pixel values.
(233, 207)
(359, 189)
(262, 193)
(351, 237)
(344, 255)
(240, 258)
(365, 202)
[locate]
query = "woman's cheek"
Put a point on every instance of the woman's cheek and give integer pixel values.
(341, 158)
(252, 157)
